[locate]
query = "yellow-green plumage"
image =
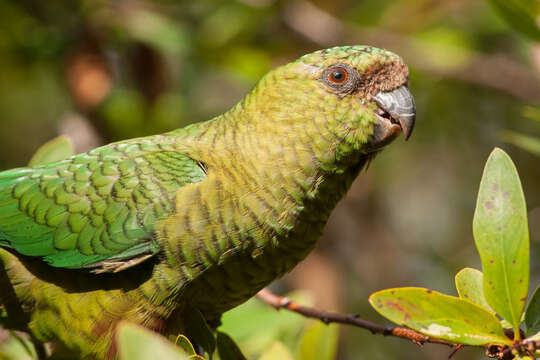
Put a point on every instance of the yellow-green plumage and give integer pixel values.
(203, 216)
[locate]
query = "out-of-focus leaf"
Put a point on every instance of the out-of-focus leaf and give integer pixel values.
(522, 15)
(138, 343)
(532, 315)
(531, 112)
(447, 47)
(17, 347)
(59, 148)
(276, 351)
(227, 348)
(319, 342)
(183, 342)
(156, 30)
(255, 325)
(502, 238)
(438, 315)
(528, 143)
(469, 284)
(225, 23)
(198, 331)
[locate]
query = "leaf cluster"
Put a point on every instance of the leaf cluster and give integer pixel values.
(489, 310)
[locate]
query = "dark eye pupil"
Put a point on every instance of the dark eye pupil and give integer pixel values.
(338, 75)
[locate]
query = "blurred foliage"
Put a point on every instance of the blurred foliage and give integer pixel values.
(17, 346)
(292, 337)
(532, 316)
(522, 15)
(103, 70)
(138, 343)
(264, 334)
(56, 149)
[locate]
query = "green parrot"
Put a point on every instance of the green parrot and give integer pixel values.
(202, 217)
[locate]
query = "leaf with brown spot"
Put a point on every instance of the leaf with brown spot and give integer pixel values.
(502, 237)
(440, 316)
(469, 285)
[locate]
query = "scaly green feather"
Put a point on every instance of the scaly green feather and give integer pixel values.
(93, 209)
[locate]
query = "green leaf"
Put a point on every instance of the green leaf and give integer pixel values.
(138, 343)
(319, 342)
(57, 149)
(186, 345)
(505, 324)
(532, 315)
(255, 325)
(469, 286)
(527, 143)
(276, 351)
(531, 112)
(17, 347)
(198, 331)
(227, 348)
(502, 238)
(521, 15)
(438, 315)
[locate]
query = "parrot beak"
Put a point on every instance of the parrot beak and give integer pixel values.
(396, 108)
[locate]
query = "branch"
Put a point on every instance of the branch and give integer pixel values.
(523, 348)
(280, 302)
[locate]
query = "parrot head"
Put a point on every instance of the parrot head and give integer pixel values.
(356, 95)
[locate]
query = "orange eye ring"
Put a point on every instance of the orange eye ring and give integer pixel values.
(338, 75)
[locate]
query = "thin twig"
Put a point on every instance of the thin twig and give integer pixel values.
(456, 349)
(280, 302)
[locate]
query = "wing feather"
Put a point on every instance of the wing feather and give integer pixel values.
(95, 210)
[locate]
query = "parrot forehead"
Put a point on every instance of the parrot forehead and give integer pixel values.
(358, 56)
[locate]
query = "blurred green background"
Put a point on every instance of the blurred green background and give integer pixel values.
(104, 70)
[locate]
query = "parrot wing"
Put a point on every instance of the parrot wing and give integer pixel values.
(95, 210)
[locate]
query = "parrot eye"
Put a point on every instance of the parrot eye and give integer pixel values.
(338, 75)
(340, 78)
